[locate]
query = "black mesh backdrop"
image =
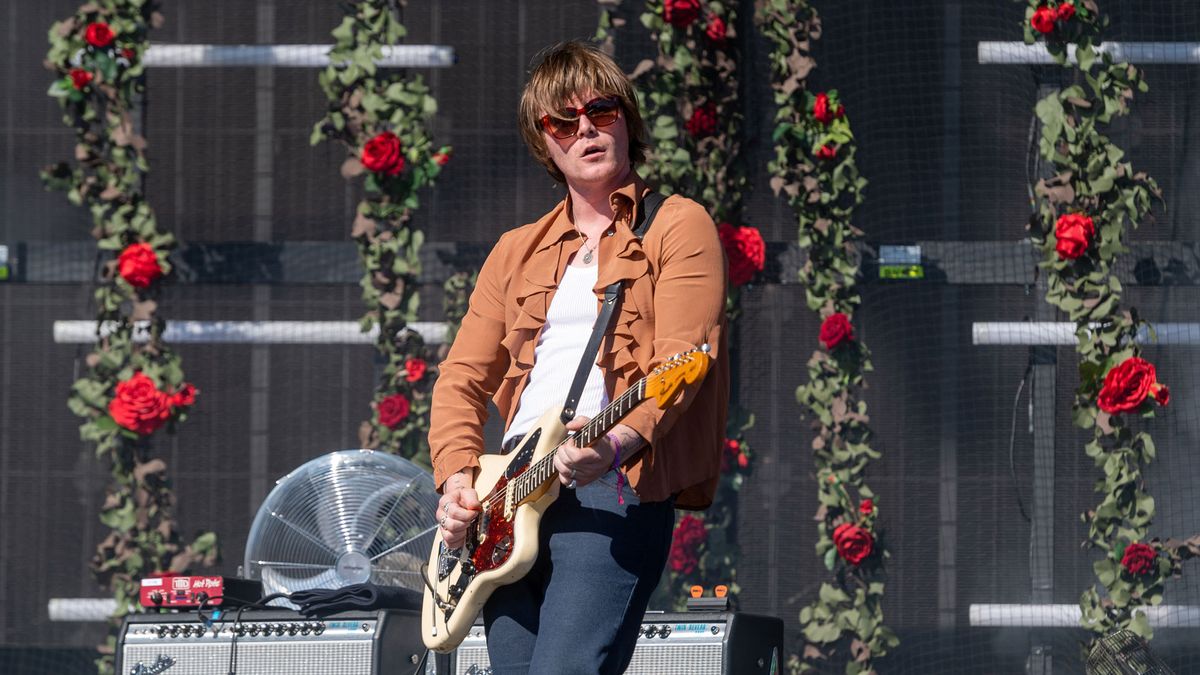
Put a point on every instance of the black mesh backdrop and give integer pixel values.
(943, 140)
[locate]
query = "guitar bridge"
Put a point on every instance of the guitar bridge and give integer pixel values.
(447, 560)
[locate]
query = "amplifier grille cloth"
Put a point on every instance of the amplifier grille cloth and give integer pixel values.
(258, 658)
(648, 659)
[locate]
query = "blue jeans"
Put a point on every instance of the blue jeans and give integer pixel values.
(579, 608)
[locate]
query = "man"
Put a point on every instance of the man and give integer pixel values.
(603, 546)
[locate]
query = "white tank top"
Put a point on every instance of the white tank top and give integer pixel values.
(569, 321)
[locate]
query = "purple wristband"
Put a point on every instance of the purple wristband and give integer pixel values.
(616, 444)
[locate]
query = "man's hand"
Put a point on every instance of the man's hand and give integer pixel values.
(458, 507)
(578, 466)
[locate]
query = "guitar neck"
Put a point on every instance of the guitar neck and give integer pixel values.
(542, 470)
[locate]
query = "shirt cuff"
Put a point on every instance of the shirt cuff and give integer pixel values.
(452, 463)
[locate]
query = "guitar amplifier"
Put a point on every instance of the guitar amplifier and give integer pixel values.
(269, 642)
(692, 643)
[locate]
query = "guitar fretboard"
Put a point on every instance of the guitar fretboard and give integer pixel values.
(543, 469)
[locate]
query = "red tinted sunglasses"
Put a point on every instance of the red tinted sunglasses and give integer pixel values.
(564, 123)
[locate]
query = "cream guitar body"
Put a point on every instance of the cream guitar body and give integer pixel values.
(507, 533)
(515, 490)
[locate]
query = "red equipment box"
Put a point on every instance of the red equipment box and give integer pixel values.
(189, 592)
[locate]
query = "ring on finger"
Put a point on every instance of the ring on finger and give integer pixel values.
(442, 522)
(571, 485)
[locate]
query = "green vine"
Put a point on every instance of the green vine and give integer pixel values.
(1083, 214)
(690, 103)
(814, 168)
(455, 300)
(380, 118)
(134, 384)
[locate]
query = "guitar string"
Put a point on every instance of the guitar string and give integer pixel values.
(502, 494)
(541, 464)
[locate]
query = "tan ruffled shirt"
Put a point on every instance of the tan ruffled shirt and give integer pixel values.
(673, 300)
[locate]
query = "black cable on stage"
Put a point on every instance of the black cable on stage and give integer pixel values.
(237, 620)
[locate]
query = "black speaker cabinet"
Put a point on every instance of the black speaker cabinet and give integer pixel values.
(692, 643)
(273, 642)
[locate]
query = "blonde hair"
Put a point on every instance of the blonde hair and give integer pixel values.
(569, 69)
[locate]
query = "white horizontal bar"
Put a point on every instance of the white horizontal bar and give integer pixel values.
(81, 609)
(1067, 616)
(1011, 53)
(248, 332)
(293, 56)
(1063, 333)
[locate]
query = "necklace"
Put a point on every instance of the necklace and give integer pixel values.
(587, 250)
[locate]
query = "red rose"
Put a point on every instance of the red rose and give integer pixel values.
(1043, 20)
(415, 368)
(841, 111)
(441, 158)
(745, 250)
(185, 397)
(382, 154)
(821, 109)
(716, 30)
(1128, 384)
(1074, 232)
(138, 264)
(138, 405)
(835, 330)
(703, 121)
(128, 53)
(853, 543)
(80, 78)
(393, 410)
(99, 34)
(1139, 558)
(1065, 11)
(689, 534)
(866, 507)
(827, 151)
(681, 13)
(733, 450)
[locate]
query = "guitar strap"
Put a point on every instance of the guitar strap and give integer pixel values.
(612, 297)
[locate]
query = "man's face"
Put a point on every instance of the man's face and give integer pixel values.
(593, 157)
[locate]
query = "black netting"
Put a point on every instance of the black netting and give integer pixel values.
(944, 141)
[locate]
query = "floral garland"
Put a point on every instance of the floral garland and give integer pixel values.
(814, 167)
(1083, 214)
(134, 384)
(690, 101)
(380, 118)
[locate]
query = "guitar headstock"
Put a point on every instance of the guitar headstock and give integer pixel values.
(665, 382)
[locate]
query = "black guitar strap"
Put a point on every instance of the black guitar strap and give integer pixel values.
(612, 298)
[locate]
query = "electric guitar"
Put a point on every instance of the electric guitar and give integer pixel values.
(515, 490)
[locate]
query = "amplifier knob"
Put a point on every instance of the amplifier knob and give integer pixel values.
(161, 631)
(173, 631)
(253, 629)
(664, 631)
(280, 629)
(305, 628)
(651, 631)
(293, 629)
(239, 630)
(319, 628)
(714, 630)
(156, 598)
